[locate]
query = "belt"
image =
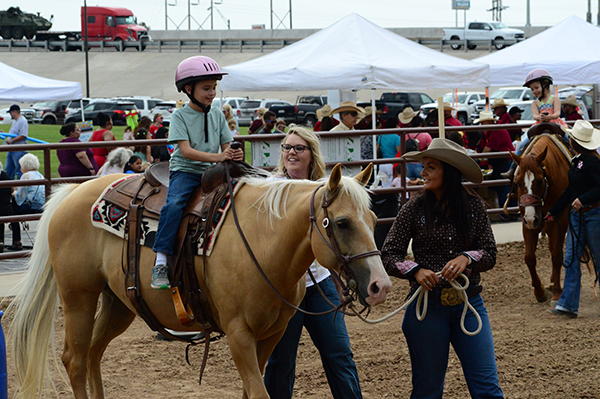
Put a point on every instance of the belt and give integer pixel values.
(451, 296)
(590, 207)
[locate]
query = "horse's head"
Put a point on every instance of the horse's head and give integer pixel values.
(532, 186)
(346, 223)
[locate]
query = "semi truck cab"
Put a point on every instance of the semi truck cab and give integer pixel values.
(112, 24)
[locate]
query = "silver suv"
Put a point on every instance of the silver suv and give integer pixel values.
(249, 109)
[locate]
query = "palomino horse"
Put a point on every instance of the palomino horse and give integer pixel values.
(541, 179)
(82, 263)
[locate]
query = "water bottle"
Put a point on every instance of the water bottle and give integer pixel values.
(3, 376)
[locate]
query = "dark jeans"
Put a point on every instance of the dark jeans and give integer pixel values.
(329, 335)
(23, 209)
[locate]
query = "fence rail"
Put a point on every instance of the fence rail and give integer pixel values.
(49, 181)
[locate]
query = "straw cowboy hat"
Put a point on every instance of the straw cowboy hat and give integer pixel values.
(485, 116)
(499, 102)
(451, 153)
(369, 111)
(347, 106)
(447, 107)
(570, 100)
(585, 135)
(407, 115)
(323, 112)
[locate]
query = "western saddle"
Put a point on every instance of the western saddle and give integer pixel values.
(144, 196)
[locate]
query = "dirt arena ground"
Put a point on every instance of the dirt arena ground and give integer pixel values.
(539, 355)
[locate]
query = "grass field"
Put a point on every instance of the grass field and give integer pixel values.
(50, 134)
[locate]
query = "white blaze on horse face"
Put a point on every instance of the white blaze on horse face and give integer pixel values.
(529, 215)
(379, 277)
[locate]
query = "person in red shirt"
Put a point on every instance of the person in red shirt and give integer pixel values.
(500, 108)
(571, 106)
(325, 112)
(496, 141)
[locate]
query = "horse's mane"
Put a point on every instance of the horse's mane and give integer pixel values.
(274, 199)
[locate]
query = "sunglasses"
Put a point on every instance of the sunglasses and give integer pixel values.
(299, 148)
(353, 113)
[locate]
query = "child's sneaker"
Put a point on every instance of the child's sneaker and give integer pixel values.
(160, 277)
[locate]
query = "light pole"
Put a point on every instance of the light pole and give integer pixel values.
(85, 45)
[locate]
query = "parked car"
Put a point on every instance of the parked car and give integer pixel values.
(74, 106)
(28, 113)
(235, 102)
(392, 103)
(583, 95)
(509, 94)
(303, 113)
(501, 34)
(144, 104)
(116, 109)
(465, 104)
(166, 108)
(50, 112)
(249, 109)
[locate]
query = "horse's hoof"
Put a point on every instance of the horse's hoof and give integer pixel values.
(542, 298)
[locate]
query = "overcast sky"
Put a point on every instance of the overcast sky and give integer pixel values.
(313, 13)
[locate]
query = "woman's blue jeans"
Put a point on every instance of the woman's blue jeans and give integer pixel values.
(181, 186)
(587, 232)
(329, 334)
(429, 344)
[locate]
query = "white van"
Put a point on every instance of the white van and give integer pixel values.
(144, 104)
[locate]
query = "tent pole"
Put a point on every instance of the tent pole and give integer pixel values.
(82, 113)
(373, 122)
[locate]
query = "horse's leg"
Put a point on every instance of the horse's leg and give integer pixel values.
(264, 349)
(244, 349)
(79, 309)
(555, 243)
(531, 240)
(113, 319)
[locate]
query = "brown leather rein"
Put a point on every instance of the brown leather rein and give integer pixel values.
(332, 244)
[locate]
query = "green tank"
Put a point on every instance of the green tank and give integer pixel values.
(16, 24)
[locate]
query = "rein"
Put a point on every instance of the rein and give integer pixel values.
(421, 308)
(345, 258)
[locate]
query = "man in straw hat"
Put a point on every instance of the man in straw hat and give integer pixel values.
(325, 113)
(406, 116)
(348, 115)
(500, 108)
(570, 106)
(451, 234)
(449, 120)
(583, 197)
(496, 141)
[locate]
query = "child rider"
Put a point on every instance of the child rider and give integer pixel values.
(197, 133)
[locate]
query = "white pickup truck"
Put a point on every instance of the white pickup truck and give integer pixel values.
(501, 34)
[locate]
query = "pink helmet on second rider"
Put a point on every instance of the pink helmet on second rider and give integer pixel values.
(537, 74)
(195, 69)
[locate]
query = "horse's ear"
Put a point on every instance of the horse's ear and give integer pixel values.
(542, 156)
(335, 177)
(516, 158)
(364, 176)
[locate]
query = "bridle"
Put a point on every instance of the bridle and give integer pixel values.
(343, 260)
(532, 199)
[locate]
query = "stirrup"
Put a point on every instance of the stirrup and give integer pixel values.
(185, 316)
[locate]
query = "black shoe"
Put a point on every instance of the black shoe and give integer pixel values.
(15, 247)
(564, 313)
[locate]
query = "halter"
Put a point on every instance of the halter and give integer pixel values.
(343, 260)
(532, 199)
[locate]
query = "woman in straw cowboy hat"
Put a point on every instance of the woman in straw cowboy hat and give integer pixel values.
(500, 109)
(583, 197)
(326, 121)
(451, 234)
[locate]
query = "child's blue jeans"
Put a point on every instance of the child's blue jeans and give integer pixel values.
(181, 186)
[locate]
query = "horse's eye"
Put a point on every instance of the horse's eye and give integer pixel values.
(342, 224)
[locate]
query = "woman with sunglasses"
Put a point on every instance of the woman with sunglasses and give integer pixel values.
(301, 159)
(348, 115)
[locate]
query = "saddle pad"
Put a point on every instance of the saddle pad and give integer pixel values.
(113, 219)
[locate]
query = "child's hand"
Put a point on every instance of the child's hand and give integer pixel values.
(238, 155)
(226, 155)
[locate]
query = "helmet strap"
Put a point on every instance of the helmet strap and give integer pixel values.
(205, 109)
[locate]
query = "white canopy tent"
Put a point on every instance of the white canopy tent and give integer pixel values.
(570, 51)
(354, 54)
(19, 86)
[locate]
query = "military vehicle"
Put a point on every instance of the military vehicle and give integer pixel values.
(16, 24)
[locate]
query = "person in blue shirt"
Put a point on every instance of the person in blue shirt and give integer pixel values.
(201, 137)
(20, 128)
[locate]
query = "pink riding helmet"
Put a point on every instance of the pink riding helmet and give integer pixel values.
(537, 74)
(195, 69)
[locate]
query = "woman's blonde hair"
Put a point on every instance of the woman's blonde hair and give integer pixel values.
(317, 164)
(229, 112)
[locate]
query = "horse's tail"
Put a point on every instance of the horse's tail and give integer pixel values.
(35, 307)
